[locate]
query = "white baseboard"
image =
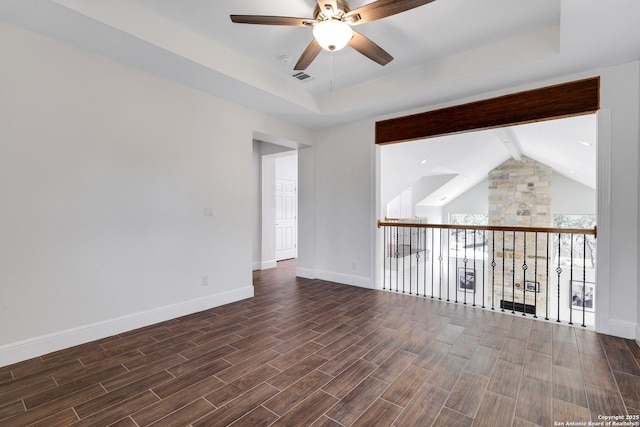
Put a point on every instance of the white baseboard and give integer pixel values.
(620, 328)
(265, 265)
(34, 347)
(307, 273)
(345, 279)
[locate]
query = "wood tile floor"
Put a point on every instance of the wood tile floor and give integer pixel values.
(307, 352)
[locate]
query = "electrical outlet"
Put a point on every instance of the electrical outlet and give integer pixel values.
(354, 266)
(204, 280)
(208, 211)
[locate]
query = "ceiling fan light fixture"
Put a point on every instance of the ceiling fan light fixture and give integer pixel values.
(332, 34)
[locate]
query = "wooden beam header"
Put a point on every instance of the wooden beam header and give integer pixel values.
(551, 102)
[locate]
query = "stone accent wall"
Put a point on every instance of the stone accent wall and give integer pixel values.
(520, 195)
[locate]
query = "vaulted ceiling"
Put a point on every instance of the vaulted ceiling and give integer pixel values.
(568, 146)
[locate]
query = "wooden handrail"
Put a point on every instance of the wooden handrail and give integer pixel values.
(589, 231)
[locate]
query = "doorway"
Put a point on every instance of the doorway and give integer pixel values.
(276, 204)
(286, 207)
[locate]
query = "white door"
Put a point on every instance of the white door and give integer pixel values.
(286, 219)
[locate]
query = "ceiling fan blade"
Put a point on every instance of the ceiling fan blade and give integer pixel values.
(272, 20)
(308, 55)
(381, 9)
(370, 49)
(328, 4)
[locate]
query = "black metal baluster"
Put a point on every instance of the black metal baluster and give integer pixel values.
(392, 249)
(424, 270)
(484, 249)
(584, 277)
(464, 261)
(493, 270)
(513, 275)
(410, 257)
(559, 272)
(404, 248)
(536, 285)
(384, 258)
(424, 236)
(432, 251)
(397, 256)
(475, 284)
(418, 236)
(448, 264)
(457, 273)
(524, 274)
(440, 263)
(546, 311)
(571, 283)
(503, 272)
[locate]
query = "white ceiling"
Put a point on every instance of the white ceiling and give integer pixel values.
(445, 50)
(415, 37)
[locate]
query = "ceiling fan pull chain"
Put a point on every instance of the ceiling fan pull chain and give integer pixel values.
(331, 73)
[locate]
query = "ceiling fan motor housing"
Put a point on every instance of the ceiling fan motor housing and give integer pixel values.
(343, 8)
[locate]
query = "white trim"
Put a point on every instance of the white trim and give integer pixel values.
(265, 265)
(306, 273)
(604, 323)
(34, 347)
(376, 251)
(346, 279)
(620, 328)
(330, 276)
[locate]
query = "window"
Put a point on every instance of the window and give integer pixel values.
(584, 250)
(468, 243)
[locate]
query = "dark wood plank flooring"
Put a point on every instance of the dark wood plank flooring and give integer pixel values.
(309, 352)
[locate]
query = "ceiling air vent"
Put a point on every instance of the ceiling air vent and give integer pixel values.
(302, 76)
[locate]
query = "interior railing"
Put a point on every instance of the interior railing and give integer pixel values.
(544, 273)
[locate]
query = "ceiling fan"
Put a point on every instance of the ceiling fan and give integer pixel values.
(332, 21)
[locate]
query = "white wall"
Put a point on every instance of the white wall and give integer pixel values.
(340, 218)
(105, 174)
(571, 197)
(343, 180)
(402, 205)
(474, 200)
(268, 236)
(256, 238)
(620, 100)
(307, 214)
